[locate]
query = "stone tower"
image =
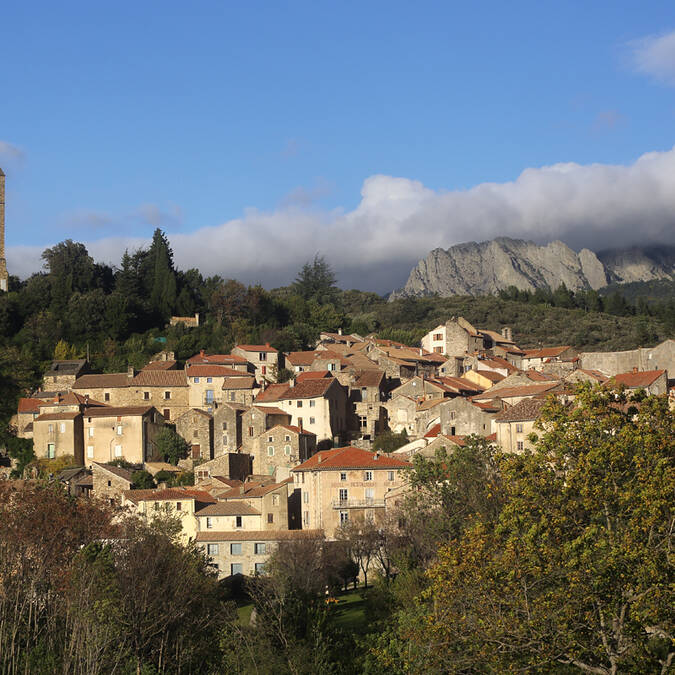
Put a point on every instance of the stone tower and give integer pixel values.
(3, 263)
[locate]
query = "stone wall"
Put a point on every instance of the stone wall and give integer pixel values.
(661, 357)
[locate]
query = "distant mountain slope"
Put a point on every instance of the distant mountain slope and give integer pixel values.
(490, 266)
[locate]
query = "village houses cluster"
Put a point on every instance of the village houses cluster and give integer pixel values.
(281, 461)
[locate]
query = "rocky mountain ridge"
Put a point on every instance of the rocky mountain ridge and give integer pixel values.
(487, 267)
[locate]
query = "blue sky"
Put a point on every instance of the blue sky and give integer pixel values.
(309, 125)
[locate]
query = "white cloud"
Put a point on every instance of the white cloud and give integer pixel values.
(654, 55)
(399, 220)
(10, 153)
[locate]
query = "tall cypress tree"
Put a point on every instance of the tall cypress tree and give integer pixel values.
(162, 286)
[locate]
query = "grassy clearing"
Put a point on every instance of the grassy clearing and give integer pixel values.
(349, 613)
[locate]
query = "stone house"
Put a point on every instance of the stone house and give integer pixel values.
(654, 382)
(403, 362)
(76, 480)
(263, 358)
(401, 414)
(109, 388)
(238, 363)
(166, 390)
(484, 379)
(277, 450)
(244, 551)
(184, 502)
(661, 357)
(457, 337)
(239, 390)
(536, 358)
(367, 394)
(62, 374)
(299, 362)
(512, 395)
(345, 484)
(196, 427)
(483, 362)
(110, 482)
(462, 417)
(427, 414)
(227, 428)
(584, 375)
(59, 434)
(28, 411)
(257, 420)
(420, 389)
(317, 405)
(516, 423)
(207, 382)
(230, 515)
(120, 433)
(228, 466)
(269, 498)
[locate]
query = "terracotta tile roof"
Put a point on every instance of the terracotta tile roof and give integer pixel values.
(312, 375)
(221, 359)
(50, 417)
(256, 348)
(526, 410)
(269, 410)
(487, 406)
(492, 438)
(118, 411)
(369, 378)
(239, 382)
(497, 362)
(307, 389)
(213, 370)
(258, 535)
(536, 376)
(30, 405)
(349, 458)
(160, 365)
(169, 494)
(116, 470)
(595, 374)
(433, 432)
(460, 384)
(524, 390)
(294, 429)
(457, 440)
(497, 337)
(231, 508)
(102, 381)
(160, 378)
(491, 375)
(545, 352)
(301, 358)
(252, 489)
(639, 379)
(430, 403)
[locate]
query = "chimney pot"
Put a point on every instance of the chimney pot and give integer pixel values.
(201, 352)
(635, 369)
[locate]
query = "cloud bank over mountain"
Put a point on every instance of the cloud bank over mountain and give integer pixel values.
(399, 220)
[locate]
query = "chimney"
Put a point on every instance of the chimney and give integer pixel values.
(339, 331)
(131, 372)
(635, 369)
(86, 400)
(300, 424)
(197, 319)
(319, 457)
(201, 353)
(507, 333)
(291, 382)
(377, 456)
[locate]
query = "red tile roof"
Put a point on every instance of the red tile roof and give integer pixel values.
(222, 359)
(239, 382)
(433, 432)
(369, 378)
(160, 365)
(269, 410)
(301, 358)
(312, 375)
(350, 458)
(231, 508)
(545, 352)
(30, 405)
(491, 375)
(639, 379)
(256, 348)
(102, 381)
(160, 378)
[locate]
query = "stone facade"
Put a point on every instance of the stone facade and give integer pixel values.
(263, 358)
(196, 427)
(661, 357)
(227, 428)
(234, 465)
(109, 482)
(277, 450)
(460, 417)
(59, 434)
(256, 421)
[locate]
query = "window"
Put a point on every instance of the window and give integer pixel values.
(91, 432)
(195, 433)
(270, 451)
(287, 450)
(275, 500)
(363, 421)
(260, 549)
(312, 403)
(106, 396)
(110, 485)
(367, 475)
(235, 549)
(438, 336)
(259, 568)
(438, 350)
(287, 438)
(224, 426)
(343, 476)
(344, 494)
(305, 497)
(262, 356)
(312, 420)
(51, 452)
(62, 427)
(344, 517)
(390, 475)
(519, 428)
(263, 370)
(520, 445)
(90, 451)
(50, 428)
(453, 414)
(179, 506)
(236, 568)
(370, 494)
(166, 414)
(232, 395)
(212, 549)
(146, 395)
(167, 395)
(305, 518)
(209, 395)
(250, 432)
(119, 429)
(270, 439)
(224, 440)
(299, 404)
(237, 521)
(209, 380)
(196, 380)
(270, 517)
(209, 523)
(300, 421)
(331, 366)
(118, 451)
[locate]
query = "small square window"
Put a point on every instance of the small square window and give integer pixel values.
(212, 549)
(390, 475)
(519, 428)
(312, 403)
(179, 506)
(367, 475)
(260, 549)
(259, 568)
(270, 439)
(146, 395)
(287, 438)
(343, 476)
(167, 395)
(520, 445)
(196, 380)
(224, 426)
(235, 549)
(106, 396)
(236, 568)
(299, 404)
(118, 451)
(209, 380)
(312, 420)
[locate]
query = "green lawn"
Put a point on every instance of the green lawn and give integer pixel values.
(349, 613)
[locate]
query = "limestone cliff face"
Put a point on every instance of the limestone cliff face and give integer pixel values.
(490, 266)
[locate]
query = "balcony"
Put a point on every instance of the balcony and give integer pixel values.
(358, 503)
